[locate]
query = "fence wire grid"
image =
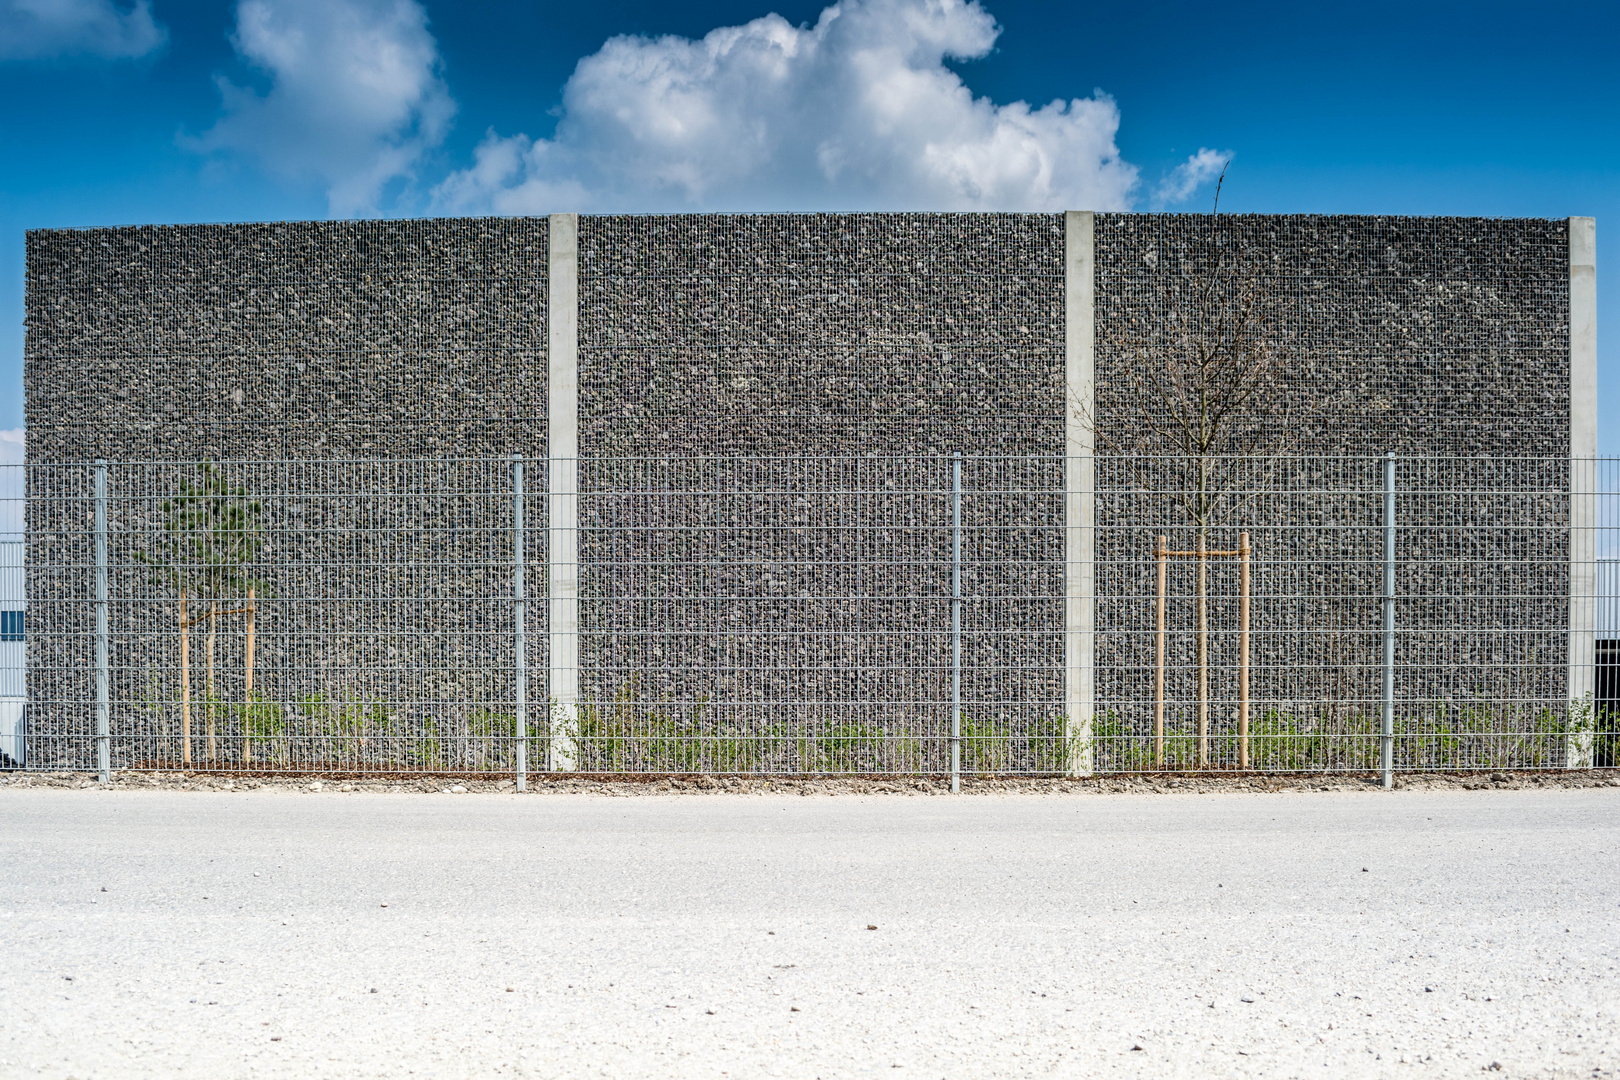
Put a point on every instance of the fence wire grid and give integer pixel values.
(808, 616)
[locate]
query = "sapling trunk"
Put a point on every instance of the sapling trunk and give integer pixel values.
(1202, 506)
(1243, 653)
(1162, 556)
(1203, 650)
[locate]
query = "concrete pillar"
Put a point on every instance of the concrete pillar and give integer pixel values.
(1079, 480)
(1582, 479)
(562, 501)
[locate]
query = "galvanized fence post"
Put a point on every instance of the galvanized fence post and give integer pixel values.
(1388, 756)
(521, 639)
(103, 720)
(956, 622)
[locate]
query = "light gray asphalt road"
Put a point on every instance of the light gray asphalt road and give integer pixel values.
(1405, 934)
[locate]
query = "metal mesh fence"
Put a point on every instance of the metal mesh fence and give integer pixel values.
(1481, 597)
(316, 615)
(795, 615)
(13, 649)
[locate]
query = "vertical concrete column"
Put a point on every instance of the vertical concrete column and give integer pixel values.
(1582, 479)
(1079, 481)
(562, 499)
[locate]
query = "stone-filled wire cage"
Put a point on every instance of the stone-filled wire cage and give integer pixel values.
(824, 335)
(1440, 337)
(287, 340)
(1445, 341)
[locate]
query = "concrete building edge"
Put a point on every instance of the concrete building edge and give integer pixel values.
(562, 499)
(1582, 482)
(1079, 503)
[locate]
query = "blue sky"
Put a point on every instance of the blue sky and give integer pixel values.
(120, 113)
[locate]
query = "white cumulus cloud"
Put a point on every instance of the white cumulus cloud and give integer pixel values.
(1185, 179)
(13, 444)
(37, 29)
(355, 95)
(858, 111)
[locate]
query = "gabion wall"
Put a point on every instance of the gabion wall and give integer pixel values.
(907, 334)
(301, 339)
(304, 342)
(1438, 338)
(766, 346)
(1428, 336)
(760, 334)
(714, 348)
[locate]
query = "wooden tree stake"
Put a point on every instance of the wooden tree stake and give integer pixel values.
(213, 620)
(1243, 652)
(1161, 554)
(1203, 652)
(247, 680)
(185, 682)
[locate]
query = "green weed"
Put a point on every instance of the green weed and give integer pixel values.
(1034, 747)
(630, 734)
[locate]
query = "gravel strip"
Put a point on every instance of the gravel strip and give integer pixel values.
(1339, 934)
(701, 785)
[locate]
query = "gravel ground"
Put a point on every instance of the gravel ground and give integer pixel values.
(574, 784)
(1353, 933)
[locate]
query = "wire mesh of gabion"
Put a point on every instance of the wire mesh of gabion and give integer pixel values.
(1426, 336)
(820, 334)
(338, 339)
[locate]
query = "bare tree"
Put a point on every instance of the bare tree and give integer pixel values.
(1202, 397)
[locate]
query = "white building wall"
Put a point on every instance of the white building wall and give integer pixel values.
(13, 654)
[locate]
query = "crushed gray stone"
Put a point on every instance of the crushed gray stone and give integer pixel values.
(621, 786)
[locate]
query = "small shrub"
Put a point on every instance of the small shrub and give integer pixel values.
(630, 734)
(842, 748)
(1007, 747)
(491, 740)
(264, 723)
